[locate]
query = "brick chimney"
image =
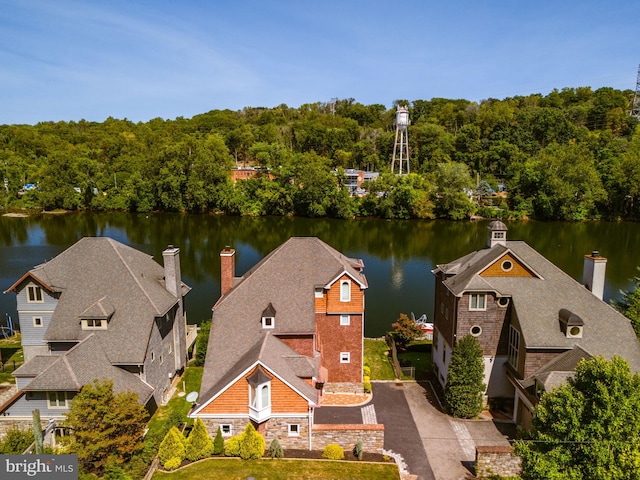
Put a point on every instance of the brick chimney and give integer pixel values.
(227, 269)
(594, 272)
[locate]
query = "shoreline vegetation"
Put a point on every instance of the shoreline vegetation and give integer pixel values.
(573, 154)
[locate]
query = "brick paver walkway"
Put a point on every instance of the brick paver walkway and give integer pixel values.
(345, 399)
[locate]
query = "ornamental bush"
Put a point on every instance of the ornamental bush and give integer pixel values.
(464, 388)
(275, 449)
(198, 445)
(218, 443)
(367, 384)
(232, 447)
(172, 463)
(251, 443)
(172, 446)
(333, 451)
(358, 450)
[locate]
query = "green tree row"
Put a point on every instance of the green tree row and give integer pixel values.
(571, 154)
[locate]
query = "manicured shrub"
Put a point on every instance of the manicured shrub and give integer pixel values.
(464, 388)
(232, 447)
(358, 450)
(366, 371)
(218, 443)
(333, 451)
(251, 443)
(172, 446)
(367, 384)
(275, 449)
(199, 445)
(172, 463)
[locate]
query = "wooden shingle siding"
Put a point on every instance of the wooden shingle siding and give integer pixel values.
(355, 305)
(517, 270)
(286, 400)
(233, 400)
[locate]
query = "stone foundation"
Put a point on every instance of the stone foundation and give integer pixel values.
(497, 460)
(343, 388)
(7, 424)
(371, 436)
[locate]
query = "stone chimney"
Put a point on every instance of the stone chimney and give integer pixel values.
(497, 234)
(172, 278)
(227, 269)
(594, 272)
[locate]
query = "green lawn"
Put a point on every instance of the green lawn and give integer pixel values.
(236, 469)
(10, 352)
(419, 354)
(377, 354)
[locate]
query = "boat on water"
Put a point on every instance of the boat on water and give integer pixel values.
(425, 326)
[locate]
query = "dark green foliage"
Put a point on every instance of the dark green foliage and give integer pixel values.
(198, 445)
(572, 154)
(106, 427)
(218, 443)
(629, 304)
(333, 451)
(16, 441)
(358, 450)
(587, 429)
(404, 330)
(115, 472)
(201, 343)
(173, 446)
(275, 449)
(464, 388)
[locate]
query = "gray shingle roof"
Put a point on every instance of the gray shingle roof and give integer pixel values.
(538, 302)
(80, 366)
(285, 278)
(100, 278)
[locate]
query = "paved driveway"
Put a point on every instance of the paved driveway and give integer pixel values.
(432, 444)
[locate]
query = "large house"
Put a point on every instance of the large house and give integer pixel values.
(533, 321)
(99, 310)
(281, 334)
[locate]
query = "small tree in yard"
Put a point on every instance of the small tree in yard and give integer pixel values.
(106, 427)
(251, 443)
(588, 428)
(275, 449)
(173, 446)
(464, 388)
(218, 443)
(405, 330)
(199, 445)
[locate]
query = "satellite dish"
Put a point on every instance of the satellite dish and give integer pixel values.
(192, 397)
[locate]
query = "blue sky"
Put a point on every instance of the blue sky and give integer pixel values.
(69, 60)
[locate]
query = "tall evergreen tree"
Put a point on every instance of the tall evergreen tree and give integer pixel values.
(464, 388)
(629, 304)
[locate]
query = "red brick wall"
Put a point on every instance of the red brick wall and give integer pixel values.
(227, 270)
(333, 338)
(303, 344)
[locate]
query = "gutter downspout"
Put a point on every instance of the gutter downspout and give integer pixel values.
(310, 427)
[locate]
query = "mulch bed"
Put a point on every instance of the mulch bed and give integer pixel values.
(348, 455)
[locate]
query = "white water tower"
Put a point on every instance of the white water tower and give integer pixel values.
(401, 145)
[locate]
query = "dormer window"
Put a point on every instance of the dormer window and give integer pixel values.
(570, 324)
(269, 317)
(34, 294)
(478, 301)
(94, 324)
(345, 291)
(319, 291)
(259, 395)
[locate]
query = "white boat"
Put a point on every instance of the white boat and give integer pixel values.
(426, 327)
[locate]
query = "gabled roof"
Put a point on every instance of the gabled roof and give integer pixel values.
(98, 277)
(557, 371)
(538, 301)
(286, 279)
(80, 366)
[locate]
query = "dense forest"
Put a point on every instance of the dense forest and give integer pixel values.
(572, 154)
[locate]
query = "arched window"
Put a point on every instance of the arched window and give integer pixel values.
(345, 291)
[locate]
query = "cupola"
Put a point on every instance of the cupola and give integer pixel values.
(497, 234)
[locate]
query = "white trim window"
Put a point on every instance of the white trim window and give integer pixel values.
(56, 400)
(94, 324)
(345, 320)
(478, 301)
(226, 429)
(513, 353)
(34, 294)
(38, 322)
(345, 357)
(294, 430)
(345, 291)
(268, 322)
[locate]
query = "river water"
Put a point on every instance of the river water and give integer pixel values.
(398, 255)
